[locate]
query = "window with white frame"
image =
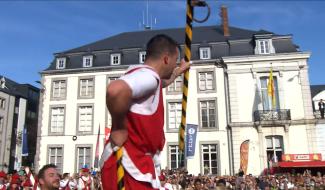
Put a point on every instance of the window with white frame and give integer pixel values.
(206, 81)
(57, 120)
(83, 157)
(205, 53)
(209, 158)
(266, 98)
(264, 46)
(142, 56)
(87, 61)
(59, 89)
(176, 85)
(176, 161)
(116, 59)
(86, 88)
(55, 156)
(208, 114)
(274, 148)
(2, 103)
(60, 63)
(85, 118)
(174, 114)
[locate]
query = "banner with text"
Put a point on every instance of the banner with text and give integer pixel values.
(191, 131)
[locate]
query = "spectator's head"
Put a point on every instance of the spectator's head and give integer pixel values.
(3, 176)
(21, 174)
(242, 185)
(66, 176)
(15, 183)
(221, 182)
(197, 184)
(48, 177)
(85, 171)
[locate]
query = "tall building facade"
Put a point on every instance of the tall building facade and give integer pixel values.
(18, 111)
(227, 99)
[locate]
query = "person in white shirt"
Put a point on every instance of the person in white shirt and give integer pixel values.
(67, 183)
(85, 182)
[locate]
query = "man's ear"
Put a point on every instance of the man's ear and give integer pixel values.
(165, 58)
(41, 181)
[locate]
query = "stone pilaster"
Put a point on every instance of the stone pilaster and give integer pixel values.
(306, 96)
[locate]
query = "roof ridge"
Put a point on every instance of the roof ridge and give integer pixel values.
(99, 43)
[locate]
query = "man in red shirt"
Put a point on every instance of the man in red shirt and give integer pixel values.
(3, 176)
(135, 103)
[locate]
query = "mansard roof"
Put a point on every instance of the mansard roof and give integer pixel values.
(13, 88)
(129, 44)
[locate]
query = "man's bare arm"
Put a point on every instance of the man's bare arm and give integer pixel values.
(118, 101)
(177, 72)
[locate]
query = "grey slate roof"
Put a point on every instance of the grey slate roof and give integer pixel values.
(129, 44)
(15, 89)
(315, 89)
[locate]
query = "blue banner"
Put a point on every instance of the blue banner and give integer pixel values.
(25, 145)
(191, 131)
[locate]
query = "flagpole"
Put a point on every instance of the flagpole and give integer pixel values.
(96, 163)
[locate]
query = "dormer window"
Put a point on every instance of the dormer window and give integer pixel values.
(264, 46)
(60, 63)
(87, 61)
(205, 53)
(142, 56)
(116, 59)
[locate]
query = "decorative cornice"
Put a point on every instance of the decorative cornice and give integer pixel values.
(88, 69)
(274, 123)
(114, 68)
(271, 57)
(254, 71)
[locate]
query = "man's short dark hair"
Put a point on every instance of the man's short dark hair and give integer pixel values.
(65, 175)
(41, 172)
(221, 182)
(197, 180)
(160, 44)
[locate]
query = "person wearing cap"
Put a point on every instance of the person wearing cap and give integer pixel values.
(85, 182)
(48, 177)
(14, 182)
(3, 177)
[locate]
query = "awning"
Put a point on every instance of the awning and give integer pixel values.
(302, 164)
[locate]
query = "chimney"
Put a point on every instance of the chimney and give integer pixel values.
(224, 20)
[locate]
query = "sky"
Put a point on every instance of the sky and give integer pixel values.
(32, 31)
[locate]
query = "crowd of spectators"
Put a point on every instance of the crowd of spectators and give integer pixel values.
(180, 179)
